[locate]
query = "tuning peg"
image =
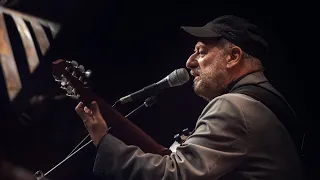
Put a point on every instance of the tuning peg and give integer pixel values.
(81, 78)
(177, 138)
(64, 81)
(58, 80)
(63, 84)
(186, 132)
(73, 63)
(81, 68)
(67, 69)
(74, 74)
(88, 73)
(74, 96)
(70, 90)
(62, 77)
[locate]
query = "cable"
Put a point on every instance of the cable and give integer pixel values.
(78, 145)
(147, 103)
(66, 158)
(115, 103)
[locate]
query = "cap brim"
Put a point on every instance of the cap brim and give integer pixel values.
(200, 32)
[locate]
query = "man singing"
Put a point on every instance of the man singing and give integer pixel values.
(236, 136)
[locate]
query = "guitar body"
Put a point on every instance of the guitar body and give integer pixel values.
(74, 79)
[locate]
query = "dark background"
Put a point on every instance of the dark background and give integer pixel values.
(129, 45)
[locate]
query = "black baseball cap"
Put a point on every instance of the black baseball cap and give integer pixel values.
(236, 30)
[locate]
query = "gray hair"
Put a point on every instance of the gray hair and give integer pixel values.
(253, 61)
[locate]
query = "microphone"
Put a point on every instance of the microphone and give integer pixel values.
(175, 78)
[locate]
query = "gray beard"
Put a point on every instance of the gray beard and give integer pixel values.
(208, 87)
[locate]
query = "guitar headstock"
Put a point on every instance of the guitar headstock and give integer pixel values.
(72, 77)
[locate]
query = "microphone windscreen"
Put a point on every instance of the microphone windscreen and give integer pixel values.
(178, 77)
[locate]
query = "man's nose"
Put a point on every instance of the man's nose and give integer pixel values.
(192, 62)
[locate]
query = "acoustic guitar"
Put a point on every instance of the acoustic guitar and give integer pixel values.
(74, 79)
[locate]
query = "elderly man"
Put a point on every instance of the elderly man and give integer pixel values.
(236, 136)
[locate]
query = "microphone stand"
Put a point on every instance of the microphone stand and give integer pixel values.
(147, 103)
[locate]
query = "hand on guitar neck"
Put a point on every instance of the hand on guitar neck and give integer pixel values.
(74, 79)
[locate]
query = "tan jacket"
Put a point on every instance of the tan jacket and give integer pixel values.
(235, 138)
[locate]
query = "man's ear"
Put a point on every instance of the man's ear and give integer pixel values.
(235, 56)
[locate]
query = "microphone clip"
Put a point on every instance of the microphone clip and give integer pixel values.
(182, 136)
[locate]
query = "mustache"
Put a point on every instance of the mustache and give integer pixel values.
(196, 72)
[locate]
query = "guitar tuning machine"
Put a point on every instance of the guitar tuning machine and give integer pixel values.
(186, 132)
(178, 138)
(74, 74)
(68, 69)
(181, 137)
(74, 96)
(64, 81)
(59, 79)
(81, 78)
(81, 68)
(88, 73)
(70, 90)
(63, 87)
(73, 63)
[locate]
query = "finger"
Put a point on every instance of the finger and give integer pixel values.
(87, 110)
(95, 109)
(80, 110)
(80, 106)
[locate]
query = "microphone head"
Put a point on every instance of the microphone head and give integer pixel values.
(178, 77)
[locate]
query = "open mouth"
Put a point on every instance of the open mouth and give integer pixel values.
(194, 73)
